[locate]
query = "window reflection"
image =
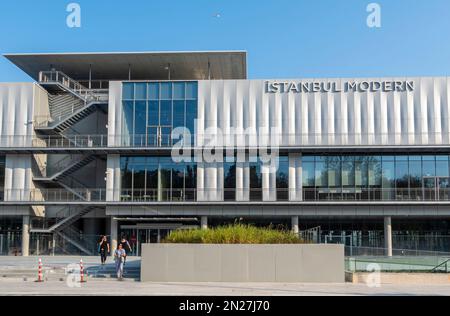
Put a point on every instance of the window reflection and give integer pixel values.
(391, 178)
(151, 111)
(157, 179)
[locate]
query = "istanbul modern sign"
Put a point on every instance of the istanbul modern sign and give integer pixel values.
(338, 86)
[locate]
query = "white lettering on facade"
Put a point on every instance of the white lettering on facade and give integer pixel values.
(335, 86)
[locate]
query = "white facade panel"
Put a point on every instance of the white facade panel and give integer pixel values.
(352, 118)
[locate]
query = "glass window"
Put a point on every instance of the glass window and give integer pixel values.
(178, 181)
(165, 118)
(429, 166)
(127, 173)
(178, 114)
(255, 182)
(402, 178)
(2, 176)
(151, 124)
(140, 125)
(179, 90)
(191, 116)
(388, 179)
(191, 90)
(348, 172)
(191, 182)
(334, 172)
(361, 172)
(153, 91)
(140, 91)
(166, 91)
(283, 179)
(153, 113)
(128, 91)
(128, 118)
(442, 166)
(321, 171)
(229, 171)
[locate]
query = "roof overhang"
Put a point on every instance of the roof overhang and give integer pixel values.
(143, 65)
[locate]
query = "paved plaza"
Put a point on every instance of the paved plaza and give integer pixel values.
(18, 275)
(112, 287)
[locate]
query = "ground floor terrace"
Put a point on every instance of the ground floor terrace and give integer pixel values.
(381, 235)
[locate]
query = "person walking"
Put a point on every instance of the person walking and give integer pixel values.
(119, 257)
(103, 248)
(126, 247)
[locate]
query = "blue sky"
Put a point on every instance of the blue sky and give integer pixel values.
(283, 38)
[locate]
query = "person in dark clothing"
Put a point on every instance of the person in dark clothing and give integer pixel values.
(125, 246)
(103, 248)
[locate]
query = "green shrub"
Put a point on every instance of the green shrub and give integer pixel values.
(233, 234)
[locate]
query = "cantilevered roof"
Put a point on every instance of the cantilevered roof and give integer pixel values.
(143, 65)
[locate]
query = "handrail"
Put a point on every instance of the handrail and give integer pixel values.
(180, 195)
(151, 141)
(55, 76)
(56, 167)
(441, 265)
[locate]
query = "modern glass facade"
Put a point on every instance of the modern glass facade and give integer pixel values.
(152, 110)
(148, 179)
(378, 177)
(2, 177)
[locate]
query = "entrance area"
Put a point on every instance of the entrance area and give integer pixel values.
(145, 234)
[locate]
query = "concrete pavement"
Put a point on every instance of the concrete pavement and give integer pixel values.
(9, 286)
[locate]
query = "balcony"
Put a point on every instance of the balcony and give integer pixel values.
(166, 141)
(173, 196)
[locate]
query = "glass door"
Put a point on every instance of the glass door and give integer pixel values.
(149, 236)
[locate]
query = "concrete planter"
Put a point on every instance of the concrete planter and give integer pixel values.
(242, 263)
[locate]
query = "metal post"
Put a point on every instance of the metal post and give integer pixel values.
(351, 244)
(209, 70)
(90, 76)
(1, 244)
(129, 71)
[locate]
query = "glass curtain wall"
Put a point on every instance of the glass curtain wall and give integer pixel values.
(229, 174)
(152, 110)
(2, 177)
(390, 178)
(147, 179)
(282, 180)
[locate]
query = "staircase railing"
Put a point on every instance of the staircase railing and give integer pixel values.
(56, 167)
(75, 105)
(444, 264)
(54, 76)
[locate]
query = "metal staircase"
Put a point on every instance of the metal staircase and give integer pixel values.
(58, 177)
(66, 171)
(63, 229)
(70, 102)
(64, 222)
(62, 105)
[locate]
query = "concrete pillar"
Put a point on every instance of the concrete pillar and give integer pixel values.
(53, 244)
(204, 222)
(294, 224)
(388, 236)
(114, 235)
(26, 235)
